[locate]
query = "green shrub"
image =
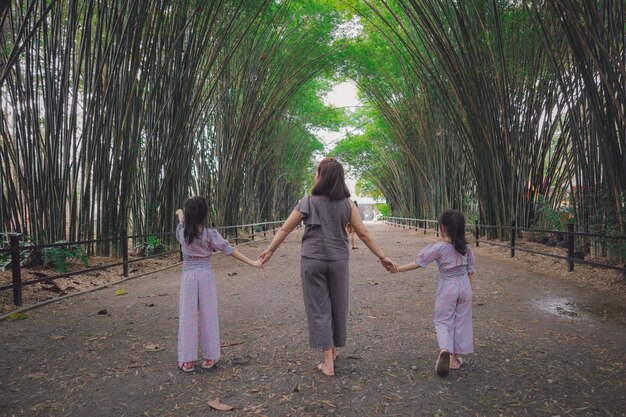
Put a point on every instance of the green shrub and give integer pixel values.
(384, 209)
(59, 255)
(5, 260)
(151, 246)
(5, 257)
(549, 217)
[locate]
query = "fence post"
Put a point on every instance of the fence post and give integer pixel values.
(512, 238)
(252, 231)
(264, 227)
(477, 232)
(125, 251)
(437, 228)
(570, 247)
(14, 241)
(236, 240)
(425, 225)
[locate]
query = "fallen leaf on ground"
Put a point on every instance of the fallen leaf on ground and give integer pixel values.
(217, 405)
(57, 337)
(121, 292)
(17, 316)
(152, 347)
(239, 361)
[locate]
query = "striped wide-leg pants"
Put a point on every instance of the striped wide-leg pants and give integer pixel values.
(453, 315)
(198, 299)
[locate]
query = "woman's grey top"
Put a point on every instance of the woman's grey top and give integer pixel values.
(325, 223)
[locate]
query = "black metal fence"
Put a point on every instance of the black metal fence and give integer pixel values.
(239, 233)
(478, 231)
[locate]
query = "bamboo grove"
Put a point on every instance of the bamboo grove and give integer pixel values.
(499, 108)
(113, 112)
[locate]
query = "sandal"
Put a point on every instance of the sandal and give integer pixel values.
(460, 362)
(320, 368)
(209, 364)
(442, 366)
(183, 368)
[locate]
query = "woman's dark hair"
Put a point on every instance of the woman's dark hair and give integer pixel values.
(454, 222)
(196, 210)
(330, 180)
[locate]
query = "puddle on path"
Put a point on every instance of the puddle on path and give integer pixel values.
(584, 310)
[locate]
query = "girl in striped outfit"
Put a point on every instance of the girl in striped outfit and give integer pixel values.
(198, 292)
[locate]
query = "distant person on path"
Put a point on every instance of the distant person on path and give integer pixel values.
(453, 305)
(324, 262)
(350, 230)
(198, 291)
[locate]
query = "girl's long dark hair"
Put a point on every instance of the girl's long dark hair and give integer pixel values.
(196, 210)
(454, 222)
(331, 180)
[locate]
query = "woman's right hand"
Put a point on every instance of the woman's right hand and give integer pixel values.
(265, 256)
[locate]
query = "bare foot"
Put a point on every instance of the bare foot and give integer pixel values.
(328, 371)
(335, 354)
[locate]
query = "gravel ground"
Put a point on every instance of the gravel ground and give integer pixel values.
(545, 345)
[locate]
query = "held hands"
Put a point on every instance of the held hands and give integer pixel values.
(257, 264)
(265, 256)
(389, 265)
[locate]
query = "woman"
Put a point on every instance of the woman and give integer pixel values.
(324, 262)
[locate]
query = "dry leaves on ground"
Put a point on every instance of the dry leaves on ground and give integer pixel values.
(217, 405)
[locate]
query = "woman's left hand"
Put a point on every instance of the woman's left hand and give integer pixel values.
(389, 265)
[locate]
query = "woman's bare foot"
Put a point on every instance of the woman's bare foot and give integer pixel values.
(335, 354)
(321, 367)
(328, 366)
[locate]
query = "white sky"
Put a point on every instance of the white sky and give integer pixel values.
(342, 95)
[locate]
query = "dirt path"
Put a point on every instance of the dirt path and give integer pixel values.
(536, 354)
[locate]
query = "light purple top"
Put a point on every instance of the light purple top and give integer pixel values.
(450, 262)
(203, 245)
